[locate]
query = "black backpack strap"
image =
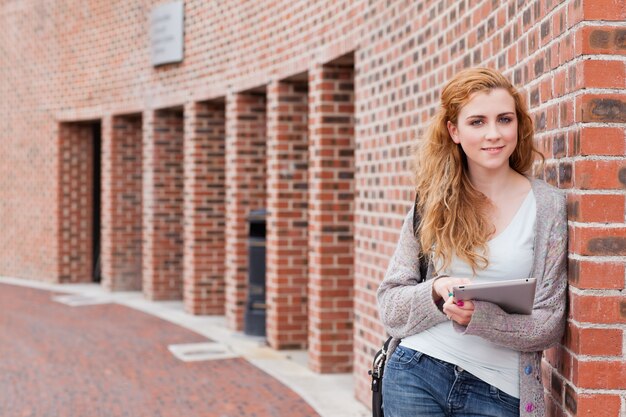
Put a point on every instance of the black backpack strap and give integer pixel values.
(386, 345)
(423, 259)
(379, 361)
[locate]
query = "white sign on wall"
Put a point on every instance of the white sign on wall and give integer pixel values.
(167, 33)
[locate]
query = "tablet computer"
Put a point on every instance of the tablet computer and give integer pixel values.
(513, 296)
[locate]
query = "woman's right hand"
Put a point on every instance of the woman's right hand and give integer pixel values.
(442, 287)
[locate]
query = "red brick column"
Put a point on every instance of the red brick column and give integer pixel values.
(287, 246)
(75, 202)
(331, 228)
(245, 191)
(121, 202)
(163, 204)
(204, 208)
(587, 375)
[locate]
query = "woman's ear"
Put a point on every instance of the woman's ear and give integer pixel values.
(453, 131)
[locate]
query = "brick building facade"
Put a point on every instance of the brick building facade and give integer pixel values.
(145, 176)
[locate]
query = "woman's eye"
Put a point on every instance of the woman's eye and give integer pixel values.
(506, 120)
(476, 122)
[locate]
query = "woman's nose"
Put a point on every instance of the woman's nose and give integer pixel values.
(492, 131)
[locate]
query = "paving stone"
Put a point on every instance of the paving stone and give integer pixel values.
(109, 360)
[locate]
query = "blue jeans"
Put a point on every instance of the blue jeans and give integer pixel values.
(417, 385)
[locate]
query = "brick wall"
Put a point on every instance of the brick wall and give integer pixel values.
(163, 204)
(75, 202)
(591, 363)
(29, 137)
(204, 205)
(67, 62)
(287, 204)
(121, 202)
(331, 218)
(246, 174)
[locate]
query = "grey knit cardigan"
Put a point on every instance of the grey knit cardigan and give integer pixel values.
(407, 307)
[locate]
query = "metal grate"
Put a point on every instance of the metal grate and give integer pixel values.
(78, 300)
(201, 352)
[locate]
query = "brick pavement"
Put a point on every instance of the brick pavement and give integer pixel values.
(109, 360)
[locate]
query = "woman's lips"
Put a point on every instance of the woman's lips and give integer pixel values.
(493, 149)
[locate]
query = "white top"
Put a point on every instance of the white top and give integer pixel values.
(510, 257)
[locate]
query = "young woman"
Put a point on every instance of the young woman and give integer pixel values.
(482, 219)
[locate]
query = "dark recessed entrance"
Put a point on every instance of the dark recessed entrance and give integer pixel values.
(96, 133)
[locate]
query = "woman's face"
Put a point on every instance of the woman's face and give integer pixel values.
(486, 129)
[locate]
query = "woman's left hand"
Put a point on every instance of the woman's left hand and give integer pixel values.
(459, 311)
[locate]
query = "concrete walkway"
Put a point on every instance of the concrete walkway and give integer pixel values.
(212, 362)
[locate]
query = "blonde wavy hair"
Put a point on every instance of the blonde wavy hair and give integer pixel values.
(453, 212)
